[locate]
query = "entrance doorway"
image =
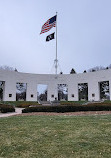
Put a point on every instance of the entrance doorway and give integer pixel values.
(62, 92)
(2, 84)
(83, 91)
(104, 90)
(42, 92)
(21, 91)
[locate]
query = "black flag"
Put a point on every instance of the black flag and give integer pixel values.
(50, 37)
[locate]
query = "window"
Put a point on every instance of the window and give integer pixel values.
(32, 95)
(10, 95)
(52, 95)
(93, 95)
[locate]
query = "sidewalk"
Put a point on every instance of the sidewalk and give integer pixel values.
(17, 111)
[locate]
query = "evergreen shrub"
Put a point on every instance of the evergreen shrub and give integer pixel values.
(27, 104)
(6, 108)
(68, 108)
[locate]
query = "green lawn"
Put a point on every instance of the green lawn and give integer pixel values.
(55, 137)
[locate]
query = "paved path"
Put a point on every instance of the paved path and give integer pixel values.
(17, 111)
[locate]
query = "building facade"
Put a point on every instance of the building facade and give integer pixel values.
(93, 80)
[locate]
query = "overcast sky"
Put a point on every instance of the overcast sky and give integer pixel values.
(84, 35)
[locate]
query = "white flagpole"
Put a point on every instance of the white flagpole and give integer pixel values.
(56, 61)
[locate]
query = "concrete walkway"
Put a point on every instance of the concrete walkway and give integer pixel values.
(17, 111)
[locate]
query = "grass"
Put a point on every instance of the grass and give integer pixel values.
(55, 137)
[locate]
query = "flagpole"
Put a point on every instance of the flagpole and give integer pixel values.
(56, 61)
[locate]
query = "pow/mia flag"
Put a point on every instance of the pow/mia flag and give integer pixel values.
(50, 37)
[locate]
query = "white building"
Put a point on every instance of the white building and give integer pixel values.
(93, 79)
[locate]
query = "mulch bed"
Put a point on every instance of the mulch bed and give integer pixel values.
(68, 113)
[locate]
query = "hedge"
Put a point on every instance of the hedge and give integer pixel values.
(68, 108)
(6, 108)
(27, 104)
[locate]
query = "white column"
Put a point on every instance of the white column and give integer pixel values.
(10, 88)
(31, 92)
(93, 91)
(73, 92)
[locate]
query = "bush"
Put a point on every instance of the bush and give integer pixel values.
(6, 108)
(23, 105)
(69, 103)
(68, 108)
(26, 104)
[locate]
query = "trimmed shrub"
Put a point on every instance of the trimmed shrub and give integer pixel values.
(23, 105)
(68, 108)
(6, 108)
(68, 103)
(72, 102)
(27, 104)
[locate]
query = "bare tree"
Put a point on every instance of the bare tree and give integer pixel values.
(83, 91)
(97, 68)
(8, 68)
(104, 90)
(21, 91)
(62, 91)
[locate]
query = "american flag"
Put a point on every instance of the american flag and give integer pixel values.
(49, 24)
